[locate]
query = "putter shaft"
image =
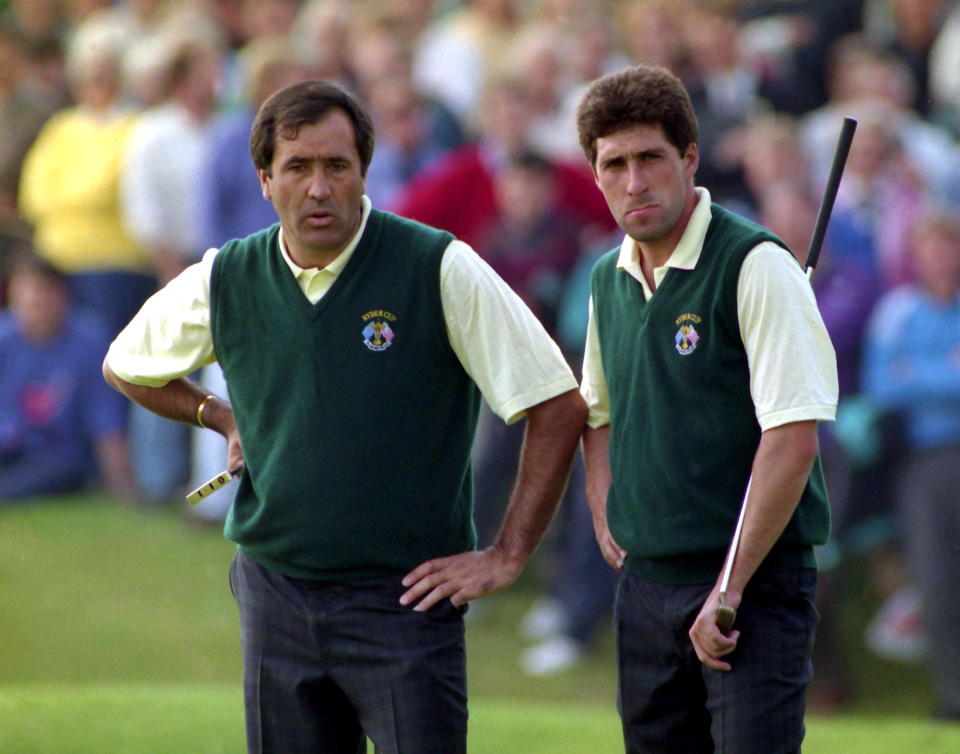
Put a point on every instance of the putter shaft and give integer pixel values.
(726, 614)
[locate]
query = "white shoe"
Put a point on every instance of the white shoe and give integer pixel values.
(554, 654)
(544, 618)
(896, 632)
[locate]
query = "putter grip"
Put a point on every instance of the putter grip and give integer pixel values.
(830, 190)
(726, 615)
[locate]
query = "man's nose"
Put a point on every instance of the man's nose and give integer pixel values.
(636, 180)
(319, 187)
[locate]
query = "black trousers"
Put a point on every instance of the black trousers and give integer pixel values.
(670, 702)
(327, 664)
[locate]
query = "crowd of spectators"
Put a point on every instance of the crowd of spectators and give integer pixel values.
(124, 157)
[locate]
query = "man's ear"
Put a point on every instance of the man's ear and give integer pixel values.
(692, 159)
(264, 177)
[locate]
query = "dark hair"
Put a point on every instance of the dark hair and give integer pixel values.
(23, 260)
(641, 95)
(283, 112)
(535, 162)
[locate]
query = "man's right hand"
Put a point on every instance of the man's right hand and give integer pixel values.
(234, 450)
(596, 461)
(613, 553)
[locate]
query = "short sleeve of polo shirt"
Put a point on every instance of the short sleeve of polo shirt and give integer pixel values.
(793, 367)
(170, 336)
(499, 341)
(593, 386)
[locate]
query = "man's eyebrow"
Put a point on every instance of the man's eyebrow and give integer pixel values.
(609, 160)
(626, 154)
(302, 158)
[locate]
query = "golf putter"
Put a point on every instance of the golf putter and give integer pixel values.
(726, 614)
(212, 485)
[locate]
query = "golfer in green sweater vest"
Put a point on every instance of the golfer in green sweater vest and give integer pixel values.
(356, 346)
(706, 361)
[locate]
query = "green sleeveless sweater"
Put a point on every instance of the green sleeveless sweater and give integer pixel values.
(683, 428)
(355, 414)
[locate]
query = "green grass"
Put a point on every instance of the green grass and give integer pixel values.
(118, 634)
(208, 719)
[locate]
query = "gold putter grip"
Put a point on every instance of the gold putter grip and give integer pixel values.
(726, 615)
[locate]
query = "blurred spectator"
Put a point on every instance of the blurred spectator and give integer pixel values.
(14, 235)
(320, 36)
(144, 67)
(913, 367)
(43, 72)
(945, 73)
(412, 134)
(409, 19)
(227, 193)
(162, 164)
(136, 18)
(879, 175)
(652, 32)
(413, 129)
(533, 244)
(161, 171)
(227, 15)
(908, 29)
(588, 51)
(23, 112)
(36, 20)
(148, 51)
(437, 196)
(70, 185)
(726, 94)
(770, 153)
(76, 12)
(537, 56)
(374, 51)
(254, 19)
(60, 430)
(863, 76)
(789, 41)
(462, 51)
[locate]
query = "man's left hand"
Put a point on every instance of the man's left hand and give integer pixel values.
(462, 577)
(708, 640)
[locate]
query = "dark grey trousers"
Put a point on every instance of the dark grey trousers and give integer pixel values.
(328, 664)
(929, 507)
(671, 703)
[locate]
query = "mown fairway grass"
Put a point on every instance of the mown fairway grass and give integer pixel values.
(118, 634)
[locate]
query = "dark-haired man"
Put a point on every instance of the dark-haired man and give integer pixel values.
(356, 345)
(706, 360)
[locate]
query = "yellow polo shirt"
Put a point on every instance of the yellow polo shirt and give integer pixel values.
(500, 343)
(793, 367)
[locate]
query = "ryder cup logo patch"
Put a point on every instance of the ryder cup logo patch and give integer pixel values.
(687, 337)
(377, 333)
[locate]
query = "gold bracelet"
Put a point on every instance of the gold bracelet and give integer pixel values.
(200, 408)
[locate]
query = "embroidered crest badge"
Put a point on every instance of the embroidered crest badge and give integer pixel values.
(687, 337)
(377, 333)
